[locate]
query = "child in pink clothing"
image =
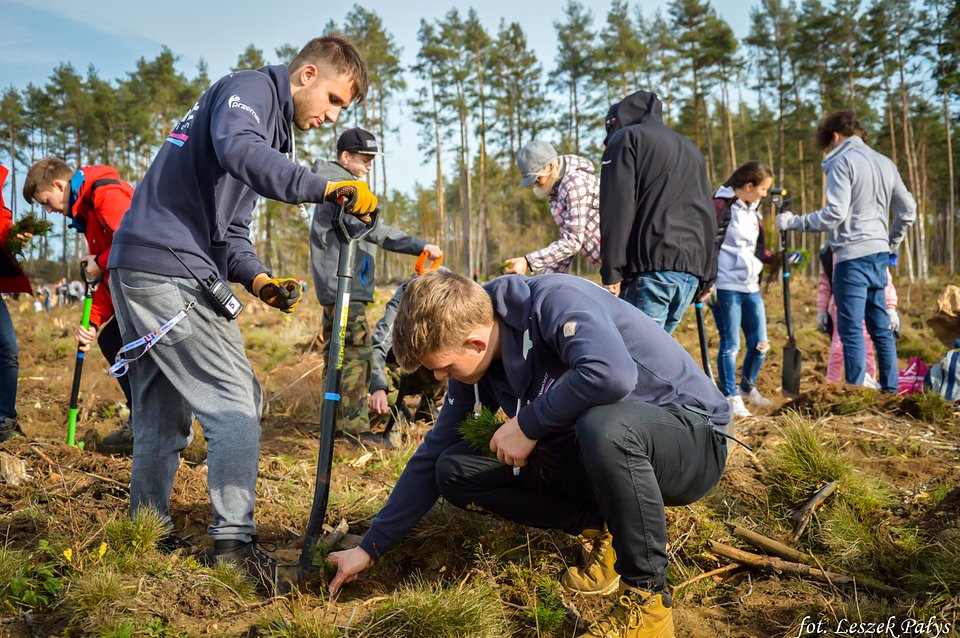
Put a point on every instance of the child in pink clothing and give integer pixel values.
(827, 321)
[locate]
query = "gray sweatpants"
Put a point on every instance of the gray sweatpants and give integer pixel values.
(198, 368)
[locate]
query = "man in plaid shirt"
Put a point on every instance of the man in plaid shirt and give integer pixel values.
(574, 193)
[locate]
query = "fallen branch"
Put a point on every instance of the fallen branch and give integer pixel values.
(713, 572)
(777, 565)
(771, 546)
(804, 515)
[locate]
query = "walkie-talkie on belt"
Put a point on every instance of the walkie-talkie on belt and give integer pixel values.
(217, 291)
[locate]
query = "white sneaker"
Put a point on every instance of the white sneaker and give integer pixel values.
(870, 382)
(737, 408)
(755, 398)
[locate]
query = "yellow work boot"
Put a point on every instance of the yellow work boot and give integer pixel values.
(597, 577)
(638, 614)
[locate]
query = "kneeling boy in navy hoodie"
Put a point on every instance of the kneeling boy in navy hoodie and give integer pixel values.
(586, 379)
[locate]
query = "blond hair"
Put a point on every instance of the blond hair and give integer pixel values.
(41, 175)
(436, 314)
(335, 54)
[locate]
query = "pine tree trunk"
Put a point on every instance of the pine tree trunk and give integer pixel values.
(904, 118)
(13, 169)
(465, 186)
(576, 122)
(441, 206)
(951, 210)
(731, 141)
(483, 256)
(711, 162)
(743, 118)
(890, 120)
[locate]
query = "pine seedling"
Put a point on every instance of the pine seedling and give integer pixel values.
(478, 428)
(29, 225)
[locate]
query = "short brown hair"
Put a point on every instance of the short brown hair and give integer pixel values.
(41, 175)
(843, 122)
(335, 54)
(752, 172)
(436, 314)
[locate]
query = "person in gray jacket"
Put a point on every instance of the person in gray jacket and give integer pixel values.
(356, 149)
(389, 385)
(862, 187)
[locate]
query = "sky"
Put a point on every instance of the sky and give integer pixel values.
(112, 34)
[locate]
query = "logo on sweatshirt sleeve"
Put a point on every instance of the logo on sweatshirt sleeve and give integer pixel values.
(235, 103)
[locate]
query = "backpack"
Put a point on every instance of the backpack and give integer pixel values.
(944, 377)
(910, 379)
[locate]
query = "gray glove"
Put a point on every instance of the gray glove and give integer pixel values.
(823, 322)
(894, 321)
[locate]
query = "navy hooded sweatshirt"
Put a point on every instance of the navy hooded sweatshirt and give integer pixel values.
(198, 195)
(656, 204)
(567, 345)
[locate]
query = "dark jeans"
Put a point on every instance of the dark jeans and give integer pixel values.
(9, 368)
(110, 342)
(622, 464)
(858, 290)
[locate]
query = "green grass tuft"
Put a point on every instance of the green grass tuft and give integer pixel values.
(421, 610)
(298, 621)
(228, 577)
(137, 535)
(928, 407)
(806, 459)
(91, 597)
(121, 628)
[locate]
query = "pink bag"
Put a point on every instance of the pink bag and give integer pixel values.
(910, 379)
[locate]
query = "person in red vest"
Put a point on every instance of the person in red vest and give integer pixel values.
(12, 280)
(95, 199)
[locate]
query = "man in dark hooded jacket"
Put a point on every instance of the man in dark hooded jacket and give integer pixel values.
(657, 223)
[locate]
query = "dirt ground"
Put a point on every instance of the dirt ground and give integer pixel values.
(75, 494)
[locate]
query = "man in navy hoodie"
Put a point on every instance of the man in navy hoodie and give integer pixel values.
(193, 210)
(589, 382)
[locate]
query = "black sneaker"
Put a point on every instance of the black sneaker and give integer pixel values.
(119, 442)
(9, 428)
(352, 439)
(262, 569)
(380, 439)
(171, 543)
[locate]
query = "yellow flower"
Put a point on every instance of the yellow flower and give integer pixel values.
(68, 554)
(102, 550)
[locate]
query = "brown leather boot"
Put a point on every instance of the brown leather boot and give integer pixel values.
(597, 577)
(638, 614)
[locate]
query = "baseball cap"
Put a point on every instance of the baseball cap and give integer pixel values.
(532, 158)
(357, 140)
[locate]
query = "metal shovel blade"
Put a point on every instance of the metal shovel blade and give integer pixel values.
(792, 361)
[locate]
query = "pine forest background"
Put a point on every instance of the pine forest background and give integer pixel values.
(479, 95)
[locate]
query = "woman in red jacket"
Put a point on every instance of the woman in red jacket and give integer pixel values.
(12, 279)
(95, 199)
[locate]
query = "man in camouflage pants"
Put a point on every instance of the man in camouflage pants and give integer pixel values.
(356, 149)
(389, 386)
